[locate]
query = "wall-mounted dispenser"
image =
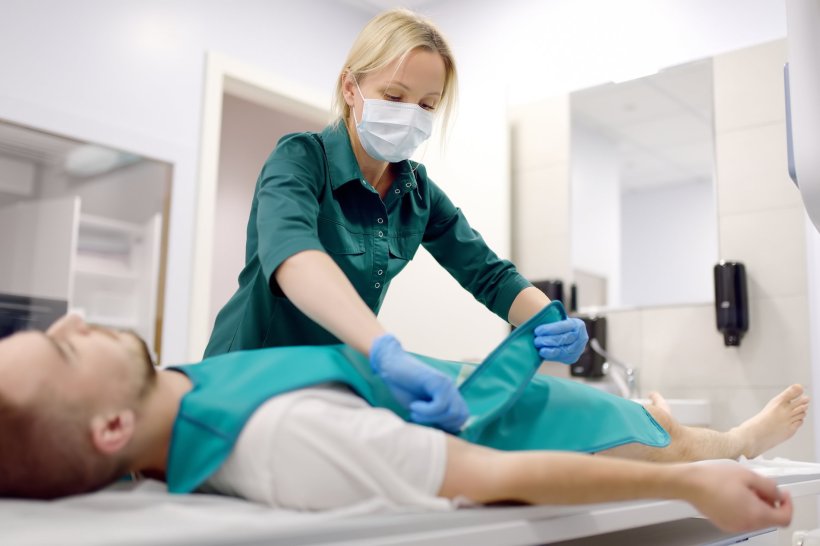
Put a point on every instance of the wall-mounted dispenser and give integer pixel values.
(553, 288)
(590, 363)
(731, 301)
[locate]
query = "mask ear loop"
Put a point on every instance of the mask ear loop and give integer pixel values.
(360, 94)
(419, 162)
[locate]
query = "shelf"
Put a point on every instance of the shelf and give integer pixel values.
(123, 275)
(125, 323)
(108, 224)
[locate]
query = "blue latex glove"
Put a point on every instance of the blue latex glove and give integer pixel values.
(561, 341)
(431, 396)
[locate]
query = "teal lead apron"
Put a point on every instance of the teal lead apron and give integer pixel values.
(510, 407)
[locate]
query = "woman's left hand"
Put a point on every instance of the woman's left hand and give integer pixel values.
(561, 341)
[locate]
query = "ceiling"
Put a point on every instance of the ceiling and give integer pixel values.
(373, 7)
(661, 124)
(34, 146)
(73, 159)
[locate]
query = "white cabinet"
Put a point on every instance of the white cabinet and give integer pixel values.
(37, 241)
(107, 270)
(114, 273)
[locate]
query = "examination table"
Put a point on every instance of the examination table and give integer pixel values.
(146, 514)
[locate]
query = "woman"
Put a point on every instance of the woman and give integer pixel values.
(337, 214)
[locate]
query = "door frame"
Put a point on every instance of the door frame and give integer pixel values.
(225, 75)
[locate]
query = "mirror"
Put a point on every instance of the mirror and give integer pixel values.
(643, 217)
(83, 228)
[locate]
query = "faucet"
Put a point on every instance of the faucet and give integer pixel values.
(630, 374)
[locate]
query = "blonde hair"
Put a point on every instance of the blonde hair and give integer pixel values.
(390, 36)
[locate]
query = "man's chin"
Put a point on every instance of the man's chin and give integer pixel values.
(143, 355)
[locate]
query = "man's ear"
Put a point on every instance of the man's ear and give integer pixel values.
(111, 433)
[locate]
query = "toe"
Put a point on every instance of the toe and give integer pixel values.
(792, 392)
(801, 400)
(801, 408)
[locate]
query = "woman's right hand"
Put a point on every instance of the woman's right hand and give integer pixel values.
(431, 396)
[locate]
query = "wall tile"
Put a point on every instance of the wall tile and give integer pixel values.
(752, 170)
(540, 133)
(541, 199)
(775, 350)
(682, 348)
(555, 369)
(771, 244)
(624, 335)
(541, 256)
(749, 86)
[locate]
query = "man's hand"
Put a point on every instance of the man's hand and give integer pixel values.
(431, 396)
(737, 499)
(561, 341)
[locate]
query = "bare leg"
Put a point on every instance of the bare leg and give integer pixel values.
(776, 423)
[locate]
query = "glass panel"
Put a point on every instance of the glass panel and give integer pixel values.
(643, 215)
(83, 224)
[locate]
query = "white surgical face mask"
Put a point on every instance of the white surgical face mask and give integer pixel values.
(391, 131)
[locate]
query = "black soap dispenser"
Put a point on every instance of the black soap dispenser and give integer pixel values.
(731, 301)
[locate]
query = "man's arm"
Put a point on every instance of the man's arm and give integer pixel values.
(734, 498)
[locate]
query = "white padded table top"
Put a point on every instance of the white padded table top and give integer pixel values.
(147, 514)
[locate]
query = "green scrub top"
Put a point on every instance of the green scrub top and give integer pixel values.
(311, 195)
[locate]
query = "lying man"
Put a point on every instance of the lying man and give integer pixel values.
(81, 406)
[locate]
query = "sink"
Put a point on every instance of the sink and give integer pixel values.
(693, 412)
(687, 411)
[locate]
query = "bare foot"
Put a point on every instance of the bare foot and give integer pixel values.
(775, 423)
(659, 401)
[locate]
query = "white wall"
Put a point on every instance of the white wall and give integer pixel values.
(544, 48)
(595, 211)
(129, 74)
(669, 245)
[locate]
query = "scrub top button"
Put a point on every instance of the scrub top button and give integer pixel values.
(380, 220)
(379, 272)
(381, 234)
(397, 190)
(408, 185)
(377, 285)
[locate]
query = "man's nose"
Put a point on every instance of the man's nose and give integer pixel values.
(71, 323)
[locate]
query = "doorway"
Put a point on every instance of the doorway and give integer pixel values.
(246, 111)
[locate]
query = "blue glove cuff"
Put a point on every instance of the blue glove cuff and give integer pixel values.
(381, 346)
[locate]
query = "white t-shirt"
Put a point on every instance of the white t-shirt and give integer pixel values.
(324, 448)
